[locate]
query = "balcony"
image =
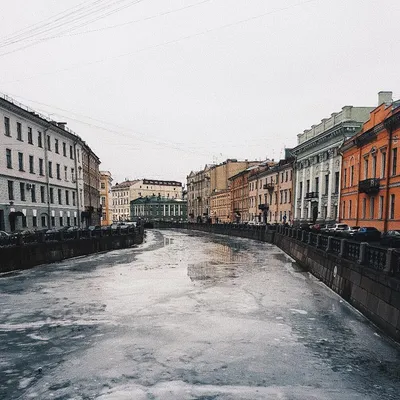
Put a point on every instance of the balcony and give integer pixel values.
(312, 196)
(269, 186)
(369, 186)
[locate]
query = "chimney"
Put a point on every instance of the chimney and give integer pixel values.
(61, 125)
(385, 98)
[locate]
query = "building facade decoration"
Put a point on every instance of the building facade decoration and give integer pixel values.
(41, 172)
(370, 184)
(318, 164)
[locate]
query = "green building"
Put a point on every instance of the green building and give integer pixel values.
(157, 208)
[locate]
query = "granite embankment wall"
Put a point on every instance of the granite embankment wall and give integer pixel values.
(27, 255)
(368, 277)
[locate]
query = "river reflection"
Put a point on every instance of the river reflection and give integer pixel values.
(223, 264)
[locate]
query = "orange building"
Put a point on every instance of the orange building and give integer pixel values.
(370, 185)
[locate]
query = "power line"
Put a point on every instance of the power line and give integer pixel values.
(68, 33)
(167, 43)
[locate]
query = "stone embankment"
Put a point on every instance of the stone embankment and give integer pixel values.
(43, 249)
(366, 276)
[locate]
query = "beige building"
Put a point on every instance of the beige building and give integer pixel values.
(123, 193)
(221, 206)
(106, 198)
(198, 194)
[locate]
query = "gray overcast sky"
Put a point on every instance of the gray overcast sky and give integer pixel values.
(188, 85)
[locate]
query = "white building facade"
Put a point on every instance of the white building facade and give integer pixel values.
(40, 171)
(318, 164)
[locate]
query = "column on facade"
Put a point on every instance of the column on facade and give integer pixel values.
(302, 201)
(321, 184)
(331, 186)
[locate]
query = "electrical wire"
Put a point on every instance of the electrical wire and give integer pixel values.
(167, 43)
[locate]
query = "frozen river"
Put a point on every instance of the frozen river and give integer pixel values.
(187, 316)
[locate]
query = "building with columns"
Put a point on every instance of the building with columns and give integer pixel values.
(157, 208)
(318, 164)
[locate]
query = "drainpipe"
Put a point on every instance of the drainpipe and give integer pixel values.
(46, 169)
(389, 163)
(77, 184)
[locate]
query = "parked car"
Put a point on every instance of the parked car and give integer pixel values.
(327, 228)
(367, 234)
(337, 229)
(350, 231)
(391, 238)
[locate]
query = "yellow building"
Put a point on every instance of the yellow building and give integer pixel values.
(105, 197)
(221, 206)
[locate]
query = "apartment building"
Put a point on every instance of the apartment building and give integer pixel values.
(370, 184)
(198, 194)
(221, 206)
(106, 197)
(121, 201)
(318, 164)
(92, 212)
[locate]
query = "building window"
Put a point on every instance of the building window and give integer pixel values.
(71, 152)
(73, 198)
(308, 186)
(9, 159)
(43, 219)
(64, 150)
(66, 173)
(350, 204)
(59, 196)
(351, 176)
(53, 221)
(34, 221)
(58, 170)
(374, 166)
(33, 194)
(19, 131)
(394, 161)
(77, 153)
(21, 161)
(103, 201)
(73, 174)
(67, 197)
(7, 131)
(10, 190)
(61, 221)
(75, 221)
(22, 191)
(41, 166)
(40, 144)
(365, 168)
(103, 185)
(326, 184)
(51, 196)
(337, 180)
(392, 204)
(30, 140)
(31, 165)
(380, 215)
(42, 197)
(344, 177)
(364, 208)
(48, 143)
(50, 169)
(344, 210)
(24, 221)
(383, 164)
(68, 221)
(317, 185)
(371, 207)
(56, 146)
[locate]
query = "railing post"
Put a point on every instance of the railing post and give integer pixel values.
(309, 238)
(329, 245)
(363, 253)
(342, 247)
(389, 261)
(318, 240)
(303, 236)
(20, 240)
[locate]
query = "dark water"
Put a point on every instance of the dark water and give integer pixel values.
(187, 317)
